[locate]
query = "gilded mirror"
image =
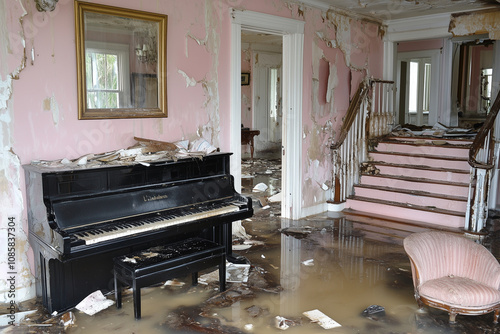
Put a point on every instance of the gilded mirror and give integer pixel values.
(121, 62)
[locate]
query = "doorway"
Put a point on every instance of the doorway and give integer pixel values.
(292, 32)
(418, 77)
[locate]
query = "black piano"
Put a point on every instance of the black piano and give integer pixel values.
(80, 218)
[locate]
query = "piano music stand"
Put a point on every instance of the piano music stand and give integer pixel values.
(157, 264)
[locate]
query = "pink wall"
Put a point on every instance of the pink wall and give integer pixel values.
(38, 110)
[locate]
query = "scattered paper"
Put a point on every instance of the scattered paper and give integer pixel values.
(322, 319)
(94, 303)
(275, 198)
(281, 323)
(241, 247)
(237, 273)
(260, 187)
(68, 320)
(174, 282)
(308, 263)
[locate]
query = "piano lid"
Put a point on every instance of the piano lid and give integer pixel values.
(87, 211)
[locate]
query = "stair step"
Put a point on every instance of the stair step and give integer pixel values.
(427, 149)
(393, 223)
(425, 172)
(432, 140)
(412, 197)
(449, 218)
(385, 228)
(421, 160)
(400, 182)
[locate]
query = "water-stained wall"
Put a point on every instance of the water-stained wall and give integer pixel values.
(38, 95)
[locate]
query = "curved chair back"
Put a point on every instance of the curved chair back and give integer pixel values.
(437, 254)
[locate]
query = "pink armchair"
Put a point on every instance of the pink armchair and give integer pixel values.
(453, 273)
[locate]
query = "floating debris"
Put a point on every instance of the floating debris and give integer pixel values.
(261, 187)
(275, 198)
(322, 319)
(308, 263)
(174, 282)
(68, 320)
(374, 310)
(256, 311)
(297, 232)
(285, 323)
(94, 303)
(237, 273)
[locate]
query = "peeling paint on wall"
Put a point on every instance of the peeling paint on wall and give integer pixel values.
(190, 82)
(50, 104)
(11, 203)
(476, 23)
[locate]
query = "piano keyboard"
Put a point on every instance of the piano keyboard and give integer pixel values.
(150, 224)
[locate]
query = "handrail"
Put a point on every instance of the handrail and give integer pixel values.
(363, 89)
(351, 113)
(367, 117)
(481, 136)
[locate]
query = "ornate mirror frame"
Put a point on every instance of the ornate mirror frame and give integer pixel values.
(121, 57)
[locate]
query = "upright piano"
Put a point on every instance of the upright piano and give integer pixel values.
(80, 218)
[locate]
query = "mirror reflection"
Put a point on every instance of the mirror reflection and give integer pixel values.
(120, 56)
(476, 69)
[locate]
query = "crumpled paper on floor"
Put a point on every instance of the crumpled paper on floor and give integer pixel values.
(94, 303)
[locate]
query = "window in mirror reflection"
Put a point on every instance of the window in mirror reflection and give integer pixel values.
(106, 86)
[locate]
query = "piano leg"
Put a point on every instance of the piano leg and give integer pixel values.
(137, 299)
(118, 292)
(227, 237)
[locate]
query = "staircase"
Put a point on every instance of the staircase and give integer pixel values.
(421, 181)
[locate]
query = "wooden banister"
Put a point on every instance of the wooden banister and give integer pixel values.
(482, 135)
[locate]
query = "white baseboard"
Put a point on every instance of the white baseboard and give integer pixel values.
(335, 207)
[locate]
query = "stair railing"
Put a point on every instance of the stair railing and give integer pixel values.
(368, 116)
(482, 160)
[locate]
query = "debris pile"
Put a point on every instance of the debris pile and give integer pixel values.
(438, 130)
(144, 152)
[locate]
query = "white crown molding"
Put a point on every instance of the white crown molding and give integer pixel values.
(267, 23)
(422, 27)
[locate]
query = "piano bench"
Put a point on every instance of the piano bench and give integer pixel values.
(157, 264)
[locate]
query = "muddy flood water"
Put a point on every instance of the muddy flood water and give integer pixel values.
(329, 263)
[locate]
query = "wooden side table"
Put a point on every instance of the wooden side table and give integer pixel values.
(247, 138)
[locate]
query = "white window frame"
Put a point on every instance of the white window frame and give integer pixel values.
(122, 51)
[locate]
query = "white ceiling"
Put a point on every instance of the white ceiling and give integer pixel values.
(386, 10)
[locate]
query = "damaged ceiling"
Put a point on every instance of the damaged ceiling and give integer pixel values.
(386, 10)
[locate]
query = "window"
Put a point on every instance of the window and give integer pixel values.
(105, 64)
(419, 90)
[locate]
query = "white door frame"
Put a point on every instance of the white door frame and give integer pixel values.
(435, 56)
(293, 64)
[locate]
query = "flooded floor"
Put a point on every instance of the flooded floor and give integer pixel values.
(327, 262)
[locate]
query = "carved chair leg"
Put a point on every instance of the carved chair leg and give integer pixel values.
(453, 315)
(495, 317)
